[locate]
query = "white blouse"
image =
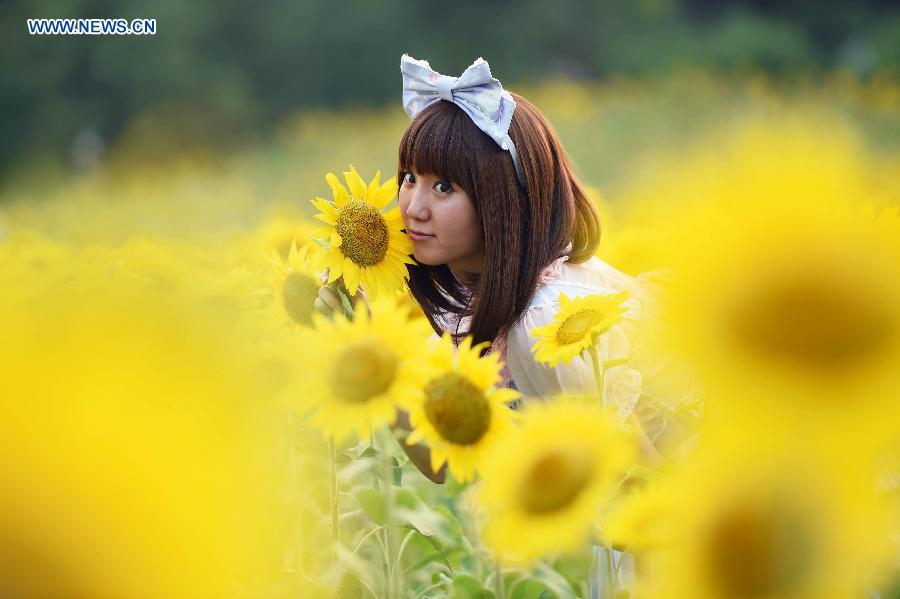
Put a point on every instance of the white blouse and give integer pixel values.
(664, 402)
(643, 386)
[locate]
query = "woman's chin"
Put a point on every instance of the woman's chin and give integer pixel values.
(426, 260)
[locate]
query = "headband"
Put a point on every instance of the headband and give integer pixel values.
(475, 91)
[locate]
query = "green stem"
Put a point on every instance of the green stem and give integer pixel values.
(335, 507)
(499, 583)
(387, 480)
(599, 373)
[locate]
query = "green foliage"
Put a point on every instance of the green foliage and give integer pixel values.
(465, 586)
(433, 545)
(226, 72)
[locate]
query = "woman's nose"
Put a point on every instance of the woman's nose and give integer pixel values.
(417, 207)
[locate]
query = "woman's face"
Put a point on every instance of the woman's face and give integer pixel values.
(440, 219)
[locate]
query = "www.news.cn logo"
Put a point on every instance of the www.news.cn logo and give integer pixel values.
(92, 26)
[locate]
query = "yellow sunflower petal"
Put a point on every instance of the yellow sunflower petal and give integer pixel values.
(341, 198)
(415, 437)
(369, 280)
(328, 220)
(322, 232)
(383, 195)
(351, 275)
(373, 186)
(333, 260)
(438, 459)
(355, 183)
(325, 207)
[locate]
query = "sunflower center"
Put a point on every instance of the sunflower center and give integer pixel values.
(457, 409)
(364, 233)
(814, 322)
(758, 551)
(576, 326)
(363, 370)
(554, 480)
(298, 294)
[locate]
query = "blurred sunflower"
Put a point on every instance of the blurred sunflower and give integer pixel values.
(768, 521)
(406, 299)
(638, 519)
(807, 321)
(365, 245)
(577, 326)
(548, 479)
(460, 412)
(357, 371)
(273, 235)
(154, 429)
(295, 284)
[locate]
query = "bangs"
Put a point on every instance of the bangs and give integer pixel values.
(443, 141)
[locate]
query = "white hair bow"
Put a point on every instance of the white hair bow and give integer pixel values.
(475, 91)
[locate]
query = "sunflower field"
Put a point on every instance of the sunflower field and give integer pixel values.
(178, 420)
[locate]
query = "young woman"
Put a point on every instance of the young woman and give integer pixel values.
(500, 226)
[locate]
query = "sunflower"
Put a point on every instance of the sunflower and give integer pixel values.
(405, 298)
(775, 520)
(806, 323)
(295, 284)
(152, 415)
(365, 245)
(546, 482)
(358, 370)
(274, 235)
(577, 326)
(460, 412)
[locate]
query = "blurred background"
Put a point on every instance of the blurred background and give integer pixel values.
(238, 76)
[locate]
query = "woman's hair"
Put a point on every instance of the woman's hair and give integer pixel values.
(522, 230)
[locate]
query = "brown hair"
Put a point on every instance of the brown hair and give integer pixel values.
(522, 229)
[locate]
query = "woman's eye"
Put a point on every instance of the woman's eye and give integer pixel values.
(443, 187)
(408, 177)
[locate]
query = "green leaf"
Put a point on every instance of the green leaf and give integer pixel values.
(372, 503)
(345, 301)
(359, 471)
(408, 509)
(398, 472)
(644, 473)
(322, 243)
(435, 522)
(553, 581)
(468, 587)
(575, 568)
(372, 454)
(406, 499)
(528, 589)
(440, 558)
(616, 362)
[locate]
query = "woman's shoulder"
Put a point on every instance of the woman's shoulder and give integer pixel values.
(585, 278)
(591, 277)
(598, 273)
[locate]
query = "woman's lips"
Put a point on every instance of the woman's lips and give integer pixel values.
(416, 236)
